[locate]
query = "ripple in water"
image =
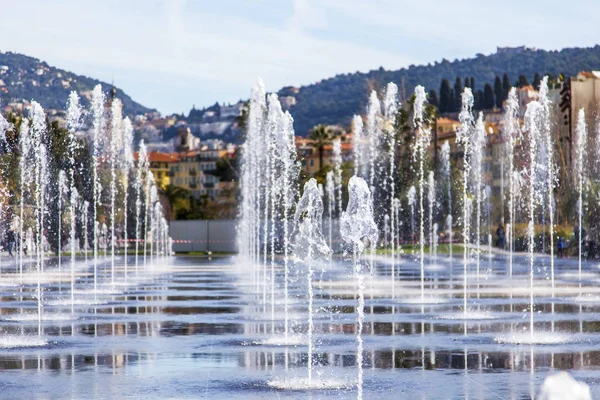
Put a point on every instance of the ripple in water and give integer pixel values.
(315, 384)
(34, 317)
(10, 342)
(471, 315)
(295, 340)
(537, 338)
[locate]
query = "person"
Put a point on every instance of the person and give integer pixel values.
(560, 246)
(10, 241)
(591, 255)
(500, 233)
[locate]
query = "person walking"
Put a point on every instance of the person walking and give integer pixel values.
(560, 247)
(501, 234)
(10, 241)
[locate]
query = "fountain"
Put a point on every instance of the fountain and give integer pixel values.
(358, 230)
(310, 249)
(263, 320)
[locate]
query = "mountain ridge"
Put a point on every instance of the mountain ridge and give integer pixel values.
(24, 78)
(333, 101)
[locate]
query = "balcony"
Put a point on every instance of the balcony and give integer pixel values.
(171, 174)
(193, 185)
(193, 172)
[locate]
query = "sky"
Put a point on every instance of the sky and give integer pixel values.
(173, 54)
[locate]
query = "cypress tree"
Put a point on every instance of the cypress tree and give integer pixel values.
(445, 101)
(467, 82)
(488, 97)
(458, 89)
(536, 81)
(505, 86)
(433, 98)
(498, 91)
(452, 101)
(522, 82)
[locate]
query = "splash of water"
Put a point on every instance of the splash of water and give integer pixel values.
(310, 248)
(358, 228)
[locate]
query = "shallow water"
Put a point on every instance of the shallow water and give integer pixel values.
(194, 328)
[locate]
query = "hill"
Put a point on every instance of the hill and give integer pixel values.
(335, 100)
(24, 78)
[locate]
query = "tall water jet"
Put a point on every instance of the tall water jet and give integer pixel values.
(115, 143)
(142, 170)
(412, 203)
(97, 142)
(74, 200)
(331, 206)
(358, 229)
(546, 136)
(513, 137)
(291, 170)
(374, 134)
(476, 161)
(252, 166)
(127, 163)
(337, 169)
(310, 248)
(40, 166)
(390, 109)
(445, 173)
(422, 141)
(532, 115)
(62, 192)
(73, 121)
(358, 146)
(431, 203)
(463, 138)
(26, 178)
(580, 153)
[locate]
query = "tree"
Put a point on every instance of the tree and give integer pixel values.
(172, 194)
(472, 83)
(321, 136)
(458, 89)
(433, 98)
(522, 82)
(537, 80)
(477, 100)
(488, 97)
(498, 91)
(467, 82)
(452, 101)
(445, 99)
(505, 86)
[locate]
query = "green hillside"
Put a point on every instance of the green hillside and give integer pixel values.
(335, 100)
(24, 78)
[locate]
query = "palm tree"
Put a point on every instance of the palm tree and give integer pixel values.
(172, 194)
(321, 136)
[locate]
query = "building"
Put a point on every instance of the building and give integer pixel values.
(194, 172)
(584, 93)
(186, 141)
(160, 165)
(526, 95)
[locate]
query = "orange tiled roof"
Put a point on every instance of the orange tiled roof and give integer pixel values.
(157, 156)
